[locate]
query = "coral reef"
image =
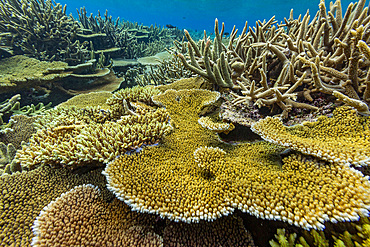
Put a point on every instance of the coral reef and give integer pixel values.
(226, 231)
(86, 219)
(19, 129)
(88, 99)
(7, 153)
(123, 39)
(135, 94)
(25, 194)
(21, 72)
(301, 191)
(343, 138)
(286, 66)
(74, 137)
(43, 30)
(76, 213)
(349, 234)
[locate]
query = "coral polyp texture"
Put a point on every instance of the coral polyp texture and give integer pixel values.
(343, 138)
(135, 94)
(74, 137)
(226, 231)
(80, 217)
(208, 123)
(77, 144)
(23, 196)
(191, 176)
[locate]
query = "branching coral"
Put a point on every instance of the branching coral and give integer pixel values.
(41, 29)
(135, 94)
(290, 65)
(344, 138)
(168, 180)
(7, 153)
(122, 38)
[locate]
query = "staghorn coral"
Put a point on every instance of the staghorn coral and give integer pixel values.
(82, 217)
(167, 180)
(288, 66)
(344, 138)
(25, 194)
(7, 153)
(41, 29)
(8, 106)
(123, 39)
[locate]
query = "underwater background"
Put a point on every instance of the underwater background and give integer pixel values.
(197, 14)
(122, 123)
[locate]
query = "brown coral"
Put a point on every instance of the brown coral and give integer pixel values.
(344, 138)
(167, 180)
(227, 231)
(23, 195)
(81, 217)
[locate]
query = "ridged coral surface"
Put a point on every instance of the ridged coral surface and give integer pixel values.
(167, 180)
(343, 138)
(80, 217)
(23, 195)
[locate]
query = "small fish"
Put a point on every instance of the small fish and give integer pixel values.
(170, 26)
(226, 34)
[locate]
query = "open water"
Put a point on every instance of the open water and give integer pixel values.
(198, 14)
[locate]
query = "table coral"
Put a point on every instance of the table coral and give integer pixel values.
(80, 217)
(23, 195)
(138, 93)
(73, 142)
(344, 138)
(167, 180)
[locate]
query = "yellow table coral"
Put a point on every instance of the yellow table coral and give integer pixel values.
(343, 138)
(191, 176)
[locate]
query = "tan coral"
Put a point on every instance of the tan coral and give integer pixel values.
(88, 99)
(138, 93)
(19, 129)
(167, 180)
(208, 123)
(77, 143)
(209, 158)
(81, 217)
(19, 72)
(344, 138)
(23, 195)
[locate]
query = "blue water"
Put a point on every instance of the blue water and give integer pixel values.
(198, 14)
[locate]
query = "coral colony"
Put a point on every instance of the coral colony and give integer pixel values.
(118, 134)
